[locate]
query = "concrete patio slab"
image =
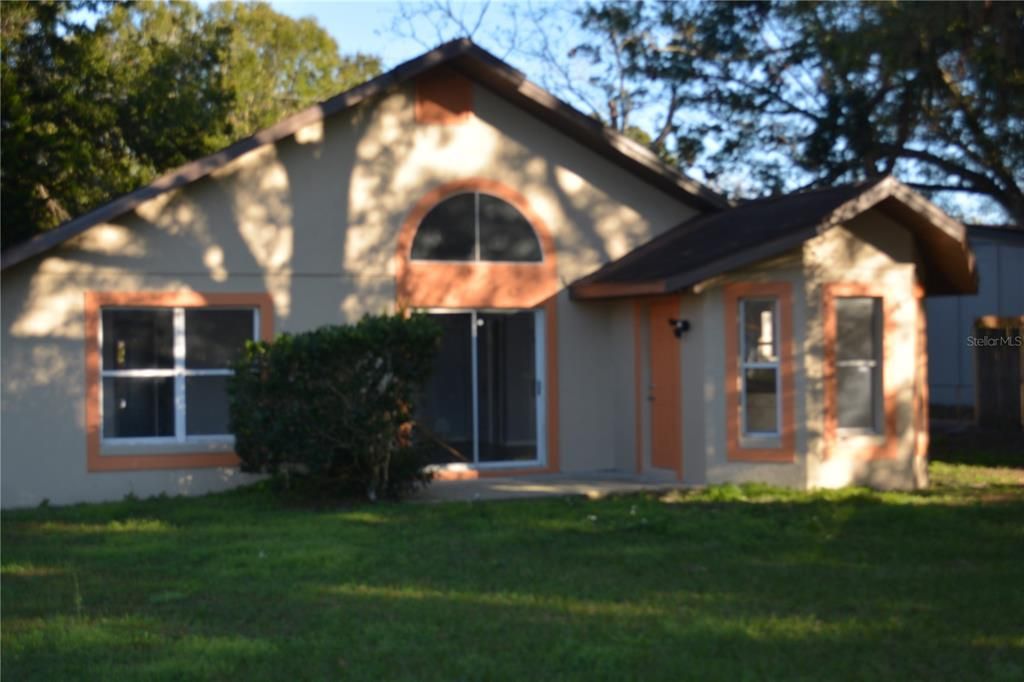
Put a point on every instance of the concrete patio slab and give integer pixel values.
(594, 485)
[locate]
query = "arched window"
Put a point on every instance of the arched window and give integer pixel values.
(475, 227)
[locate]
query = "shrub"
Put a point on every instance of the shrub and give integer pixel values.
(335, 404)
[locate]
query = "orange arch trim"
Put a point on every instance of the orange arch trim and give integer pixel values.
(475, 284)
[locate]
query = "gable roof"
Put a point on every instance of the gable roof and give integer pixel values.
(461, 55)
(710, 245)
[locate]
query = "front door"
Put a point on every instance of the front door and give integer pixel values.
(664, 393)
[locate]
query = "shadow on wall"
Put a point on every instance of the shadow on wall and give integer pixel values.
(837, 256)
(312, 220)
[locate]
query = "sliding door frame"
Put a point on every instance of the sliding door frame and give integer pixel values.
(540, 386)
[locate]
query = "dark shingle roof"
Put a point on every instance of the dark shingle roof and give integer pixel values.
(712, 244)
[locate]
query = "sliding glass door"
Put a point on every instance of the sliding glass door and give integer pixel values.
(484, 403)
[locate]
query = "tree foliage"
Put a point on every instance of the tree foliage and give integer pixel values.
(94, 109)
(771, 96)
(764, 97)
(336, 404)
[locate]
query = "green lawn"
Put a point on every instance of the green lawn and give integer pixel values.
(728, 584)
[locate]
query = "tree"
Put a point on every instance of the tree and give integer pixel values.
(789, 95)
(764, 97)
(90, 112)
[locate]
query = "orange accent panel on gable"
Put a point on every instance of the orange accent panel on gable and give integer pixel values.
(443, 97)
(474, 284)
(735, 451)
(666, 390)
(94, 301)
(888, 448)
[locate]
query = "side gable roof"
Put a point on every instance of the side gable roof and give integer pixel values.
(462, 55)
(710, 245)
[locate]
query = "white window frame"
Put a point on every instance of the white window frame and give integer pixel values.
(179, 372)
(540, 360)
(875, 364)
(744, 365)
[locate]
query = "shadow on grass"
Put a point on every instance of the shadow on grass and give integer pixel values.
(729, 584)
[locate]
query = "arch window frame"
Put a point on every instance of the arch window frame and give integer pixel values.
(477, 243)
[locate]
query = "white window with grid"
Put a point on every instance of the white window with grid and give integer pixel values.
(164, 371)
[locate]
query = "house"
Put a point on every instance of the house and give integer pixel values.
(952, 359)
(600, 311)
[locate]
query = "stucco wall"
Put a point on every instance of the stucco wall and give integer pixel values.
(705, 399)
(313, 221)
(596, 385)
(871, 249)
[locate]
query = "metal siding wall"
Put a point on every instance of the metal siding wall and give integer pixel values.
(951, 319)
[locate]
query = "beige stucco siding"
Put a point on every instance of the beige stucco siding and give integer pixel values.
(313, 220)
(596, 385)
(871, 249)
(709, 365)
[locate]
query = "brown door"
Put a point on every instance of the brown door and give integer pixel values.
(665, 394)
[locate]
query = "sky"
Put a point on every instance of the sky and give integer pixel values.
(356, 26)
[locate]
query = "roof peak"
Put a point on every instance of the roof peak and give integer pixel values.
(482, 66)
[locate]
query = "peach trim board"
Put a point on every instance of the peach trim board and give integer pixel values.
(735, 450)
(888, 447)
(443, 97)
(473, 284)
(666, 386)
(94, 302)
(921, 442)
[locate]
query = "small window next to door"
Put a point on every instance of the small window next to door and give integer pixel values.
(759, 392)
(760, 384)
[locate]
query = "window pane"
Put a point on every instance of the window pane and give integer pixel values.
(138, 408)
(759, 331)
(506, 371)
(448, 232)
(138, 339)
(505, 235)
(445, 410)
(857, 328)
(760, 401)
(206, 405)
(215, 338)
(856, 397)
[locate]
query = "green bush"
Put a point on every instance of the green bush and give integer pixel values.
(335, 404)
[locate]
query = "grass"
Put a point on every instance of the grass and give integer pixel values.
(732, 583)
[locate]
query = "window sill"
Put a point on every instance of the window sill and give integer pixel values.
(142, 448)
(163, 456)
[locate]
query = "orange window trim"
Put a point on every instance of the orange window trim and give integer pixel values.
(94, 301)
(474, 284)
(921, 443)
(888, 448)
(735, 451)
(443, 97)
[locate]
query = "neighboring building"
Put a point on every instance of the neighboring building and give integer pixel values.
(600, 311)
(951, 359)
